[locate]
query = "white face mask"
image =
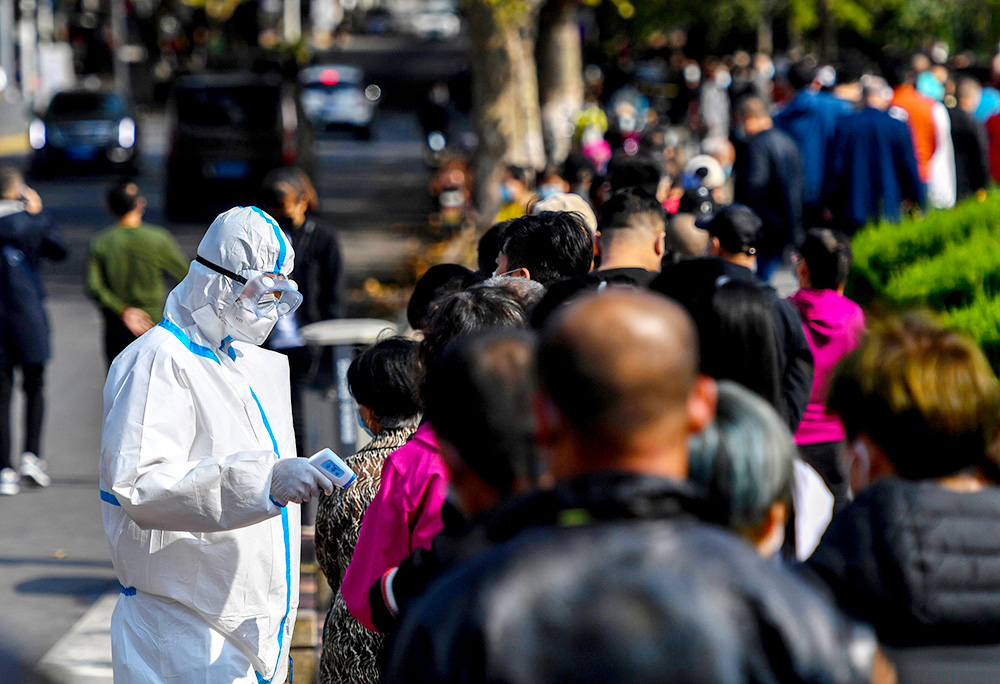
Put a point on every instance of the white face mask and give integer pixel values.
(246, 326)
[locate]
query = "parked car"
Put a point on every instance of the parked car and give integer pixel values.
(228, 132)
(337, 96)
(84, 130)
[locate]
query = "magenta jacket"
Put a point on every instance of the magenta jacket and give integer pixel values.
(834, 325)
(405, 515)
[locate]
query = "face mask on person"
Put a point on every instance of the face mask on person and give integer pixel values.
(506, 193)
(548, 190)
(363, 425)
(246, 326)
(723, 79)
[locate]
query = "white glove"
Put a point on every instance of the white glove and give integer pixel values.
(294, 480)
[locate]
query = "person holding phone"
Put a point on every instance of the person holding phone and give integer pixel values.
(27, 235)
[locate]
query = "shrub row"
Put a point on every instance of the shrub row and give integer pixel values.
(884, 250)
(948, 261)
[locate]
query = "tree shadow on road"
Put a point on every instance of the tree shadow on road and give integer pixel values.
(82, 587)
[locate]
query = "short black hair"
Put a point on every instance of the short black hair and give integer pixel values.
(620, 210)
(384, 378)
(578, 169)
(489, 247)
(275, 186)
(478, 397)
(122, 198)
(801, 74)
(639, 171)
(895, 69)
(827, 254)
(552, 245)
(520, 173)
(438, 281)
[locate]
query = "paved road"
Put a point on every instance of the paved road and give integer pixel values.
(53, 560)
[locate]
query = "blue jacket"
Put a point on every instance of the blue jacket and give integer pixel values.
(811, 120)
(872, 168)
(24, 240)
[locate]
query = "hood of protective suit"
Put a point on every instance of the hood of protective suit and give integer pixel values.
(239, 240)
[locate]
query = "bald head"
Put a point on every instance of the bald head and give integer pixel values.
(620, 368)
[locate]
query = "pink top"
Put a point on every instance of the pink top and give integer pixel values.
(405, 515)
(833, 325)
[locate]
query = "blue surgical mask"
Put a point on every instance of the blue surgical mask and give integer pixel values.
(361, 422)
(546, 191)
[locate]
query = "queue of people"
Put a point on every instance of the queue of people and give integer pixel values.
(612, 453)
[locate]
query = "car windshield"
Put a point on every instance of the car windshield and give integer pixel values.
(245, 107)
(104, 105)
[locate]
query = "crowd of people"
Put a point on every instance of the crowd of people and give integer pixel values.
(610, 452)
(631, 459)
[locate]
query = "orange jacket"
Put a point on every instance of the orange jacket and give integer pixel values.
(921, 122)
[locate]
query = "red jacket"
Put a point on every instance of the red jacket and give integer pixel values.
(993, 131)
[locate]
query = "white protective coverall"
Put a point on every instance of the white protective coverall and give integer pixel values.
(193, 424)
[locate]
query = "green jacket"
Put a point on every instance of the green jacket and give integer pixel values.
(125, 268)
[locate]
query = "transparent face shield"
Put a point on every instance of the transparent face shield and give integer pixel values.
(263, 294)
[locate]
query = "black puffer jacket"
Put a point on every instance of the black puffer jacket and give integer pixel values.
(609, 529)
(589, 498)
(921, 563)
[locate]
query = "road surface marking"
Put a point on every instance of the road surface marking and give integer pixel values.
(83, 655)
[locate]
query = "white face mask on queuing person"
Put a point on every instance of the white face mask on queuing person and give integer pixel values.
(197, 466)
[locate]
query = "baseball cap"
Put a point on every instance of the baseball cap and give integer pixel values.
(736, 226)
(567, 201)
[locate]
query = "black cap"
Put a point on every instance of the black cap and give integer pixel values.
(737, 226)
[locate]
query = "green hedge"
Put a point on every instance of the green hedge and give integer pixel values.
(982, 321)
(948, 261)
(884, 250)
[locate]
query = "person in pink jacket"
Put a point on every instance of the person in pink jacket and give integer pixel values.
(405, 515)
(833, 325)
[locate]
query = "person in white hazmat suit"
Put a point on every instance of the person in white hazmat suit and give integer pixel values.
(198, 466)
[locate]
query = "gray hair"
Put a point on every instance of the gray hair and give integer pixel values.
(527, 292)
(745, 458)
(875, 86)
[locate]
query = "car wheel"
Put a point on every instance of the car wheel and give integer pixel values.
(364, 133)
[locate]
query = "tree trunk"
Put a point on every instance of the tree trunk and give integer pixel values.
(560, 75)
(506, 115)
(827, 42)
(765, 28)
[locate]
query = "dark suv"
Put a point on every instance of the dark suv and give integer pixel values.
(84, 129)
(229, 131)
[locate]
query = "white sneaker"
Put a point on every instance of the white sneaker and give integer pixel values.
(34, 467)
(10, 482)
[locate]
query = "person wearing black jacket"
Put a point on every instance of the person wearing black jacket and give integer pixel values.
(771, 181)
(917, 553)
(289, 197)
(735, 232)
(27, 235)
(620, 395)
(972, 161)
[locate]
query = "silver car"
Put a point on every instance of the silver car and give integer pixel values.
(337, 96)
